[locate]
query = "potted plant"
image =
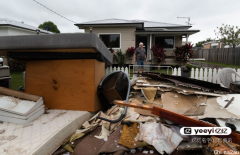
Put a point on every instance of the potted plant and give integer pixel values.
(158, 53)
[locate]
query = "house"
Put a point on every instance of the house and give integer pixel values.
(12, 27)
(213, 44)
(122, 34)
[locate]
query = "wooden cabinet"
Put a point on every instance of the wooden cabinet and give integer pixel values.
(66, 84)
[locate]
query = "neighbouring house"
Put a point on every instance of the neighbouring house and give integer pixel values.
(122, 34)
(213, 44)
(10, 27)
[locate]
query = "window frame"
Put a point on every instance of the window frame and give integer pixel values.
(112, 33)
(166, 36)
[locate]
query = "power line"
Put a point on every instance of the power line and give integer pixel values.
(54, 11)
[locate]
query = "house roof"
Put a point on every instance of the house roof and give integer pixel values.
(138, 23)
(13, 23)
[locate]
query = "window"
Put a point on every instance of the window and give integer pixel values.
(110, 40)
(165, 41)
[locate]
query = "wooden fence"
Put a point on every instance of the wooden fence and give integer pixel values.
(205, 74)
(228, 56)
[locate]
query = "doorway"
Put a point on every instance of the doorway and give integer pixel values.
(144, 40)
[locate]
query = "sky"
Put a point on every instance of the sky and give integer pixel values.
(206, 15)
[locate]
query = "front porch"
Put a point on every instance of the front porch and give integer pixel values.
(168, 40)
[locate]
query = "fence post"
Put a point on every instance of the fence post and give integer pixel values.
(205, 74)
(214, 75)
(114, 69)
(192, 73)
(201, 74)
(118, 69)
(179, 71)
(174, 71)
(122, 69)
(210, 75)
(196, 73)
(110, 69)
(219, 69)
(106, 73)
(126, 71)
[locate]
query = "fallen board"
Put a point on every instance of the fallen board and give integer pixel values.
(42, 136)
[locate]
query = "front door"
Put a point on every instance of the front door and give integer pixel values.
(144, 40)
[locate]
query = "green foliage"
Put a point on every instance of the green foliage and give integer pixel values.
(54, 28)
(229, 35)
(183, 53)
(200, 43)
(121, 58)
(158, 53)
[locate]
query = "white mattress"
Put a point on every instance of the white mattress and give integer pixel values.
(19, 109)
(42, 136)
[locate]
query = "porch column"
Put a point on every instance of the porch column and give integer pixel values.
(150, 44)
(187, 39)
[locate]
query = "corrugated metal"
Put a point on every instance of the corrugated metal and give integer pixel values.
(146, 23)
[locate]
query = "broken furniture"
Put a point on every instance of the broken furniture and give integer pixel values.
(115, 86)
(18, 107)
(65, 69)
(5, 78)
(177, 118)
(42, 136)
(235, 86)
(224, 77)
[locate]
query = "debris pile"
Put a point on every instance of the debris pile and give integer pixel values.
(182, 102)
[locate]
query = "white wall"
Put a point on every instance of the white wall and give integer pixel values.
(3, 31)
(6, 31)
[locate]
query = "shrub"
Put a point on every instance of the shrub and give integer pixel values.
(121, 58)
(158, 53)
(130, 51)
(183, 53)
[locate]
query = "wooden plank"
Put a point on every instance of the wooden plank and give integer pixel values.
(18, 94)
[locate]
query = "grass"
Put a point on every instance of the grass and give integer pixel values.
(214, 63)
(17, 80)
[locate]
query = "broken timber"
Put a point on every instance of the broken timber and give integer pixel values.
(177, 118)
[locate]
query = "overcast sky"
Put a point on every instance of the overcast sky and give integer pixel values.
(205, 14)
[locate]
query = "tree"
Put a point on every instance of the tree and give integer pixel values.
(200, 43)
(228, 34)
(53, 27)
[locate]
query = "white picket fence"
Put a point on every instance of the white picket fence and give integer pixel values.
(205, 74)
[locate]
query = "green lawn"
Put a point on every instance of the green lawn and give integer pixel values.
(17, 80)
(214, 63)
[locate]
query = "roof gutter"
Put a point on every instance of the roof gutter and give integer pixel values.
(108, 24)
